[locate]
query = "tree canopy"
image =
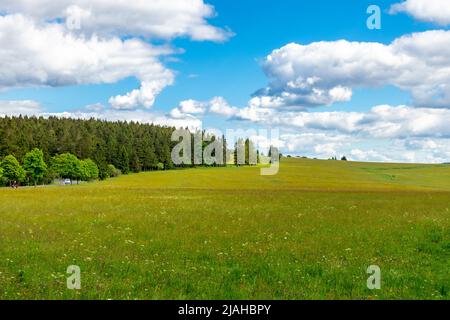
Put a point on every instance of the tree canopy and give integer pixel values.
(77, 149)
(35, 166)
(12, 171)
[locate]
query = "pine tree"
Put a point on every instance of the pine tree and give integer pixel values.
(124, 160)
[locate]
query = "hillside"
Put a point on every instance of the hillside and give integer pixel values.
(229, 233)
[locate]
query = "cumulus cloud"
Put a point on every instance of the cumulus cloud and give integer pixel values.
(380, 122)
(220, 106)
(324, 145)
(384, 133)
(368, 155)
(97, 107)
(72, 42)
(164, 19)
(324, 73)
(97, 111)
(434, 11)
(192, 107)
(19, 107)
(317, 144)
(217, 105)
(398, 151)
(33, 54)
(140, 116)
(144, 96)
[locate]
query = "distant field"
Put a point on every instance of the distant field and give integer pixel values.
(229, 233)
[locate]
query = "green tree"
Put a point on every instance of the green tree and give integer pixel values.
(12, 170)
(67, 166)
(251, 156)
(89, 170)
(124, 160)
(225, 151)
(35, 166)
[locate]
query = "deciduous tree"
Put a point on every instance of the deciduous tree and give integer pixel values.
(35, 166)
(12, 170)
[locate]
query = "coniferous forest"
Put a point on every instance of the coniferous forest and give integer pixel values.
(53, 148)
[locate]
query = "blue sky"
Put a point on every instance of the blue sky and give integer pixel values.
(215, 64)
(231, 69)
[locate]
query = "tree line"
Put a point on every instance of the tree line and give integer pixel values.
(36, 150)
(34, 170)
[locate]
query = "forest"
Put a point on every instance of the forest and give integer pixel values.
(39, 150)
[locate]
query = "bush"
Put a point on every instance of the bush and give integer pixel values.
(160, 166)
(113, 172)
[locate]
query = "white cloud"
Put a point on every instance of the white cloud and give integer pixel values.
(144, 96)
(19, 107)
(380, 122)
(384, 133)
(34, 54)
(97, 107)
(192, 107)
(38, 49)
(315, 144)
(325, 145)
(217, 105)
(368, 155)
(140, 116)
(435, 11)
(32, 108)
(220, 106)
(188, 108)
(165, 19)
(98, 111)
(323, 73)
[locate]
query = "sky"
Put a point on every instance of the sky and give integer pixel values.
(311, 69)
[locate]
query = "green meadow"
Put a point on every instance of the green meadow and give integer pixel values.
(309, 232)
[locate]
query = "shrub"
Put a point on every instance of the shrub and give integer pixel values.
(113, 172)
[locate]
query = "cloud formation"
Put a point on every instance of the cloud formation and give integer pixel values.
(33, 54)
(97, 111)
(434, 11)
(19, 107)
(73, 42)
(325, 145)
(162, 19)
(324, 73)
(217, 105)
(383, 122)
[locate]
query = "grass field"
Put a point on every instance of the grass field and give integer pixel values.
(309, 232)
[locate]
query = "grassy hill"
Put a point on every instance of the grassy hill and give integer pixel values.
(228, 233)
